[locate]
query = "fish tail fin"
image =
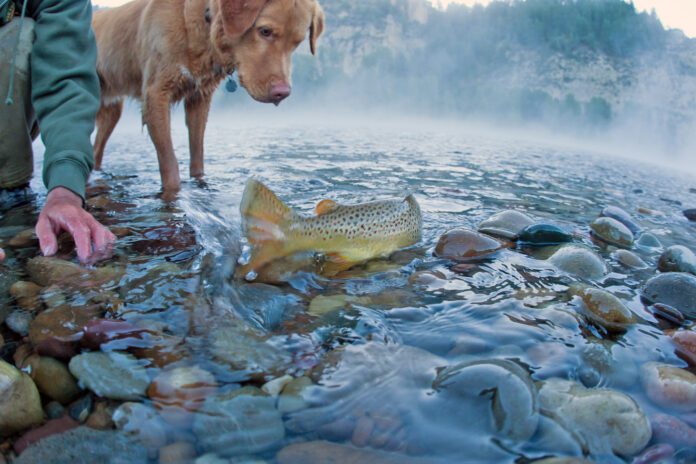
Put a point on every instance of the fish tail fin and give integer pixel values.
(264, 221)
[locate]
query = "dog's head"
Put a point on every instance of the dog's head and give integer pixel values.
(260, 36)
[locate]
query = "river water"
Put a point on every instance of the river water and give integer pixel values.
(443, 369)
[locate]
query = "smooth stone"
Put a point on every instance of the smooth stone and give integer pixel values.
(676, 289)
(101, 417)
(324, 452)
(291, 398)
(580, 262)
(18, 321)
(52, 427)
(465, 245)
(602, 420)
(648, 240)
(246, 349)
(52, 378)
(20, 403)
(506, 224)
(603, 308)
(685, 341)
(168, 238)
(677, 258)
(275, 386)
(54, 410)
(622, 216)
(669, 429)
(178, 392)
(56, 332)
(111, 375)
(428, 278)
(326, 304)
(27, 295)
(655, 454)
(512, 412)
(630, 259)
(670, 387)
(667, 313)
(84, 445)
(81, 409)
(142, 423)
(181, 452)
(25, 239)
(690, 214)
(46, 271)
(232, 424)
(612, 231)
(543, 235)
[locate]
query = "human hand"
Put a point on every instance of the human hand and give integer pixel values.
(63, 211)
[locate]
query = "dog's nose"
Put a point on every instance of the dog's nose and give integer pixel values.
(279, 92)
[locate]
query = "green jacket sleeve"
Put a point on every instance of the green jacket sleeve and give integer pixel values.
(65, 89)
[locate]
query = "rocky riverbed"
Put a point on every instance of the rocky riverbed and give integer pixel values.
(546, 316)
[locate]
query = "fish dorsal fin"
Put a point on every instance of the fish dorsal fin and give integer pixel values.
(325, 206)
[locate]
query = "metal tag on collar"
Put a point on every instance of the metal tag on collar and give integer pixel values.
(231, 85)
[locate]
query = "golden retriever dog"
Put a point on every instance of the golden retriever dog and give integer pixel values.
(165, 51)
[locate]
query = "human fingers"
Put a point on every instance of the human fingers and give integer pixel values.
(48, 242)
(82, 236)
(101, 236)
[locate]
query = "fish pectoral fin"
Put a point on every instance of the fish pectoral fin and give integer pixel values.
(325, 206)
(335, 263)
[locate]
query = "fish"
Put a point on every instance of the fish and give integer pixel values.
(337, 237)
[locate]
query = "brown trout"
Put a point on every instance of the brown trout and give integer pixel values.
(344, 235)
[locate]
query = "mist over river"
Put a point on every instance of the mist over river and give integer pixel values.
(478, 344)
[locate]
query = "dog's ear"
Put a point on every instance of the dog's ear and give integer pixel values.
(316, 28)
(239, 15)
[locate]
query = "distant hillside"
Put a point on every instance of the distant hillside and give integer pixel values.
(559, 61)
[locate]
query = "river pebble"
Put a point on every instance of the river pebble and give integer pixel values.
(321, 452)
(142, 423)
(111, 375)
(465, 245)
(669, 386)
(291, 398)
(685, 341)
(18, 321)
(648, 240)
(20, 403)
(622, 216)
(52, 427)
(178, 392)
(676, 289)
(690, 214)
(46, 271)
(655, 454)
(56, 332)
(669, 429)
(603, 420)
(667, 313)
(84, 445)
(612, 231)
(27, 295)
(506, 224)
(580, 262)
(603, 308)
(81, 409)
(630, 259)
(543, 235)
(25, 239)
(677, 258)
(180, 452)
(232, 424)
(52, 378)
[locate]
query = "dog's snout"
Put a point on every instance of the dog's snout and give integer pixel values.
(280, 92)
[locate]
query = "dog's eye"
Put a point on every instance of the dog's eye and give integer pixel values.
(265, 32)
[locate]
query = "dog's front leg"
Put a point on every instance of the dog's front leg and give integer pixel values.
(197, 107)
(156, 116)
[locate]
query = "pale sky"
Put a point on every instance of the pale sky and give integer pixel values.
(679, 14)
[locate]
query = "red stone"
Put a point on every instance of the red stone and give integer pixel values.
(100, 331)
(669, 429)
(165, 239)
(465, 245)
(685, 340)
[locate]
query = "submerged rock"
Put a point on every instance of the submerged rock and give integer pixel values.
(142, 423)
(56, 332)
(690, 214)
(685, 341)
(676, 289)
(178, 392)
(20, 404)
(622, 216)
(233, 424)
(669, 386)
(544, 235)
(506, 224)
(47, 271)
(111, 375)
(648, 240)
(27, 295)
(667, 313)
(630, 259)
(603, 308)
(465, 245)
(677, 258)
(52, 427)
(18, 321)
(580, 262)
(602, 420)
(84, 445)
(612, 231)
(52, 378)
(669, 429)
(322, 452)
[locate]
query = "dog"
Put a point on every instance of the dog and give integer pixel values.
(164, 51)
